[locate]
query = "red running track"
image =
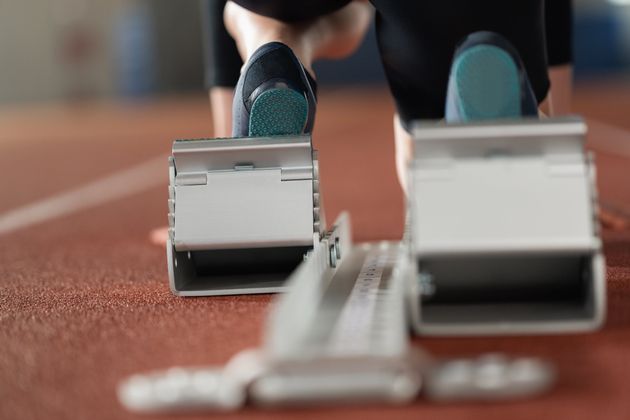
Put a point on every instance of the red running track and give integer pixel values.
(84, 299)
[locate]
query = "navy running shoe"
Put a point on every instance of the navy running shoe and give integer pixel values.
(274, 95)
(488, 81)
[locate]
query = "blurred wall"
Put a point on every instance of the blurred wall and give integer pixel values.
(72, 49)
(178, 46)
(53, 49)
(601, 37)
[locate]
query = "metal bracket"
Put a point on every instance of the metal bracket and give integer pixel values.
(350, 340)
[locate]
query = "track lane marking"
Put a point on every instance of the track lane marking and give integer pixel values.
(153, 172)
(120, 184)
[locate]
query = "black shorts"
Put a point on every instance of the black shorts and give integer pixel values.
(417, 39)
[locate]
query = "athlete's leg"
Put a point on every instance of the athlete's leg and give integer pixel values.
(559, 39)
(309, 33)
(221, 106)
(280, 40)
(417, 41)
(222, 65)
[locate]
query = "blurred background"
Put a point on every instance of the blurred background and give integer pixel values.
(77, 49)
(92, 94)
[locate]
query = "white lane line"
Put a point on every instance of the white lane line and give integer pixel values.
(121, 184)
(153, 172)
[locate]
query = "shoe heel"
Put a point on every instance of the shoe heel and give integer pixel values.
(487, 83)
(279, 111)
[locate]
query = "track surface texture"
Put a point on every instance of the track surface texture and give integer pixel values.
(84, 299)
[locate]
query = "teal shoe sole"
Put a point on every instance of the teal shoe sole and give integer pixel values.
(487, 82)
(277, 112)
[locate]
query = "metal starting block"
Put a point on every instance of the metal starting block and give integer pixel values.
(503, 229)
(340, 333)
(242, 213)
(502, 232)
(502, 238)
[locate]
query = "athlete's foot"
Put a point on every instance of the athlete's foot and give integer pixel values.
(275, 95)
(612, 220)
(159, 236)
(488, 81)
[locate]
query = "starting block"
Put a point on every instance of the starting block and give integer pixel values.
(501, 238)
(502, 232)
(242, 213)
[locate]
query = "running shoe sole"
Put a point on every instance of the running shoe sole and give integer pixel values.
(278, 111)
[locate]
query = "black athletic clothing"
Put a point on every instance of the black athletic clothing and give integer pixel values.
(222, 60)
(293, 10)
(417, 40)
(559, 29)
